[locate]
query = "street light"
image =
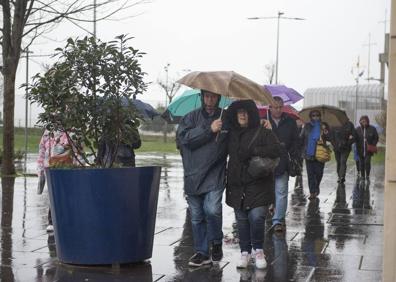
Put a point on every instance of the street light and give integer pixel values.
(280, 16)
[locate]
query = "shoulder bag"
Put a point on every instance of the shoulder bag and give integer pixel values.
(259, 167)
(323, 152)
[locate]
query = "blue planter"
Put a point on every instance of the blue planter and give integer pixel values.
(104, 216)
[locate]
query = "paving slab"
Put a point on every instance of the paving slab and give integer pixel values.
(338, 237)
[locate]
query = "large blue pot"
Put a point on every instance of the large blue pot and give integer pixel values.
(104, 216)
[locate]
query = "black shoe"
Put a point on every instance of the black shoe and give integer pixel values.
(199, 259)
(217, 252)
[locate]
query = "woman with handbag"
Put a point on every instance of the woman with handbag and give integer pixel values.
(316, 151)
(250, 193)
(367, 139)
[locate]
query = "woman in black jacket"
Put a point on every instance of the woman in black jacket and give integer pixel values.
(366, 135)
(250, 197)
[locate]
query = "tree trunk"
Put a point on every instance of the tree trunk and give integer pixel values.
(8, 167)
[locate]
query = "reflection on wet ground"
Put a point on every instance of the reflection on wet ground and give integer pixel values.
(337, 237)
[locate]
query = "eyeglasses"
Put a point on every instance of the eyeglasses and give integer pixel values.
(315, 115)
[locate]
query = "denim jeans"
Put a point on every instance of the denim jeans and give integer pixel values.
(315, 174)
(341, 158)
(281, 192)
(206, 219)
(251, 225)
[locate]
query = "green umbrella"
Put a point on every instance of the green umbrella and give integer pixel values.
(188, 101)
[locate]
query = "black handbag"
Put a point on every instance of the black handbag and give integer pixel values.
(259, 167)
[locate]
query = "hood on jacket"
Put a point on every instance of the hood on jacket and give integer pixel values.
(251, 109)
(365, 118)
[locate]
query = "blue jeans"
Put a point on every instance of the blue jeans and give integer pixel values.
(251, 228)
(206, 219)
(315, 174)
(281, 192)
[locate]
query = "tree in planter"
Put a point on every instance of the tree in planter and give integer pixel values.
(24, 21)
(86, 94)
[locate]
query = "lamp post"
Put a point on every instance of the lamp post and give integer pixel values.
(26, 106)
(358, 73)
(278, 17)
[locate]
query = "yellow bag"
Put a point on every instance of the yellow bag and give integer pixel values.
(323, 152)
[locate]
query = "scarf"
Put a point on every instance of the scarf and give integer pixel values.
(313, 138)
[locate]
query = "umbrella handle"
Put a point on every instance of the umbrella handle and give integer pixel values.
(218, 133)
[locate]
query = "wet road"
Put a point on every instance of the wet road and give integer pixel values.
(335, 238)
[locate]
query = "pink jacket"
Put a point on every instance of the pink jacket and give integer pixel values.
(51, 146)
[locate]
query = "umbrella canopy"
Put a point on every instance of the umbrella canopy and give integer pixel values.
(188, 101)
(332, 115)
(288, 95)
(146, 110)
(292, 112)
(229, 84)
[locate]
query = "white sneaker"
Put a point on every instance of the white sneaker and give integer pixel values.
(260, 261)
(244, 260)
(50, 228)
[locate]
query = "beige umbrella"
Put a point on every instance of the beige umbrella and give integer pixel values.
(332, 115)
(229, 84)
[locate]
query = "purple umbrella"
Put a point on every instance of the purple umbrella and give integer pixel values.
(288, 95)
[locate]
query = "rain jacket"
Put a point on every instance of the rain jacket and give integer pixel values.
(305, 136)
(125, 155)
(52, 144)
(339, 137)
(287, 133)
(243, 191)
(371, 138)
(204, 157)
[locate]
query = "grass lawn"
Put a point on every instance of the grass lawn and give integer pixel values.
(157, 144)
(149, 143)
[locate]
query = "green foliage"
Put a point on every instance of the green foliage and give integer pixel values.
(87, 92)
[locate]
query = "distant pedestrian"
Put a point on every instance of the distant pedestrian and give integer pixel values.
(54, 150)
(315, 132)
(123, 153)
(202, 139)
(367, 139)
(342, 138)
(285, 128)
(250, 197)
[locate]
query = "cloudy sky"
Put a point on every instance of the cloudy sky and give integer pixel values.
(216, 35)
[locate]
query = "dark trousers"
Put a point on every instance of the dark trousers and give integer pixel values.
(365, 165)
(341, 158)
(315, 174)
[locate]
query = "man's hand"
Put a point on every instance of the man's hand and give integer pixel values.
(267, 124)
(216, 125)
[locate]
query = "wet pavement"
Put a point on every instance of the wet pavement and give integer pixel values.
(338, 237)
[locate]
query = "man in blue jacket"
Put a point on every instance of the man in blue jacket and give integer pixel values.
(203, 148)
(285, 128)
